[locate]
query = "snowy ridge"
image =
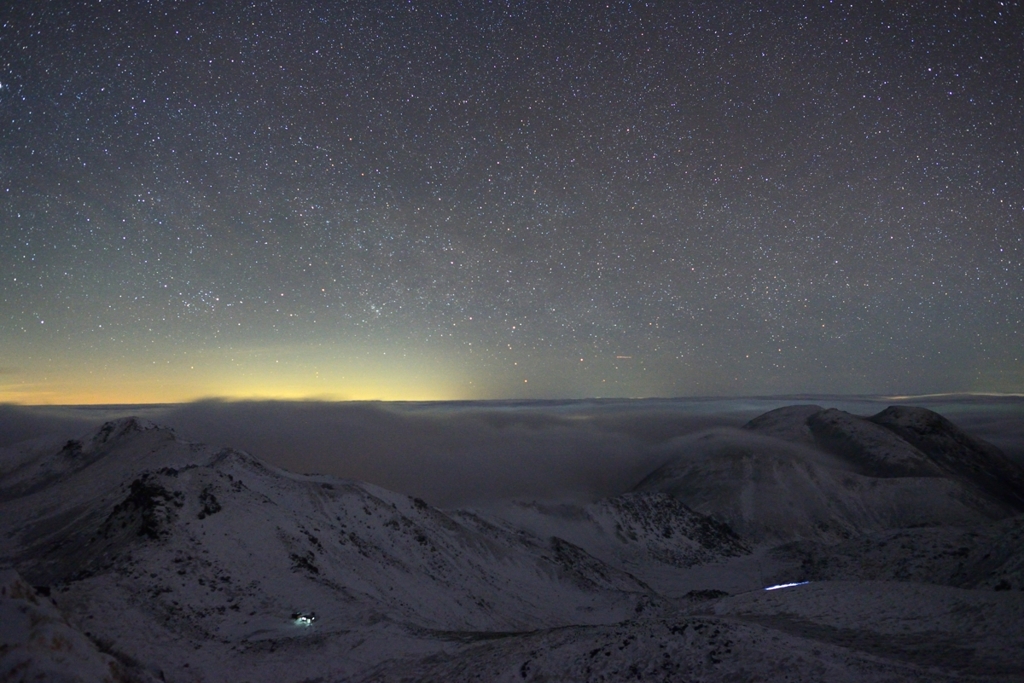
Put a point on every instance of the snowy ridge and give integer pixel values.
(956, 452)
(391, 554)
(176, 561)
(873, 450)
(803, 472)
(648, 535)
(35, 473)
(152, 535)
(769, 490)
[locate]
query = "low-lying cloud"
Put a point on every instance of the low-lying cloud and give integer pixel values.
(450, 454)
(469, 453)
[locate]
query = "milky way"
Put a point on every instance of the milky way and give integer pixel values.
(509, 199)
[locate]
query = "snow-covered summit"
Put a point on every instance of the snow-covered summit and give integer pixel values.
(814, 473)
(788, 423)
(956, 452)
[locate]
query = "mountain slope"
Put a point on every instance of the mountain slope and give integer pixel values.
(832, 631)
(901, 441)
(38, 644)
(770, 490)
(150, 536)
(650, 535)
(988, 557)
(956, 452)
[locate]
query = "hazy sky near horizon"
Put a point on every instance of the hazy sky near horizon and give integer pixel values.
(448, 200)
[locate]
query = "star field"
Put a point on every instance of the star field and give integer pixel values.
(509, 199)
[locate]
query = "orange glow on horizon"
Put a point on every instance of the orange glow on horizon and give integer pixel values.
(261, 374)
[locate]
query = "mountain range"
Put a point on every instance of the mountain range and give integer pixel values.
(131, 554)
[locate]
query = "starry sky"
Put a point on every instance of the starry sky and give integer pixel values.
(496, 199)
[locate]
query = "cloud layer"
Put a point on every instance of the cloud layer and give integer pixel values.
(452, 453)
(470, 453)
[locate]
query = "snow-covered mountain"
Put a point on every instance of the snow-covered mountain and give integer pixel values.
(835, 631)
(649, 535)
(159, 559)
(805, 472)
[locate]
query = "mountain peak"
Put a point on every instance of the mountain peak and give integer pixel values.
(788, 423)
(121, 427)
(956, 452)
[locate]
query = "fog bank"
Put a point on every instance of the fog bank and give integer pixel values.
(461, 453)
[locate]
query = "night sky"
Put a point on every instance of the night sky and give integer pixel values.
(463, 200)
